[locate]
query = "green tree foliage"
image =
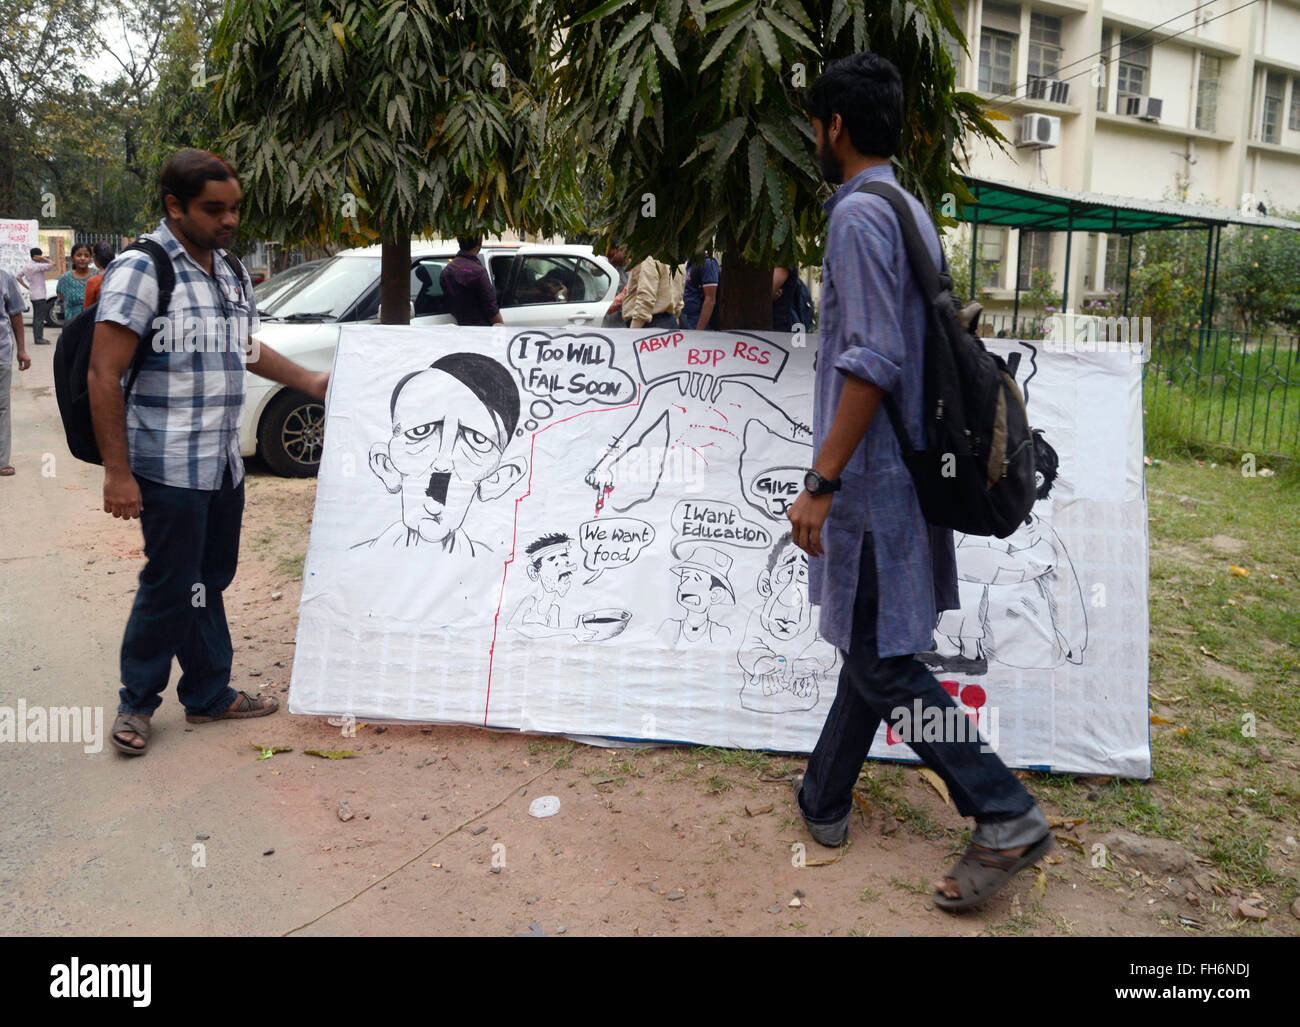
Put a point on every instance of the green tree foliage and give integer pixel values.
(1258, 272)
(41, 44)
(696, 110)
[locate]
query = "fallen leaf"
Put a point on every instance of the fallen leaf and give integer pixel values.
(826, 862)
(1070, 841)
(1213, 656)
(331, 754)
(1066, 822)
(1039, 886)
(268, 751)
(1241, 572)
(1053, 859)
(1171, 699)
(861, 802)
(937, 783)
(1159, 720)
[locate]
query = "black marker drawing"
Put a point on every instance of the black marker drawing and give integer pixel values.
(695, 412)
(1021, 601)
(772, 469)
(550, 565)
(783, 658)
(452, 422)
(703, 582)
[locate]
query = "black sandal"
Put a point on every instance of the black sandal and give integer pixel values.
(981, 873)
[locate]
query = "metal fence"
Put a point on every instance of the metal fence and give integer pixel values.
(1227, 388)
(1217, 387)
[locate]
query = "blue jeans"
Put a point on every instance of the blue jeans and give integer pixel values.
(191, 539)
(871, 687)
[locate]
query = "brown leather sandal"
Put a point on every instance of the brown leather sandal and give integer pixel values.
(133, 724)
(246, 707)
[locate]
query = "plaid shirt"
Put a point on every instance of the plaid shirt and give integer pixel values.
(873, 322)
(182, 417)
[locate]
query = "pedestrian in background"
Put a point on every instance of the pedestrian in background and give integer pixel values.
(700, 294)
(617, 256)
(72, 284)
(104, 255)
(32, 275)
(785, 286)
(11, 345)
(471, 298)
(653, 296)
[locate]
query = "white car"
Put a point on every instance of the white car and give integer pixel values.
(301, 321)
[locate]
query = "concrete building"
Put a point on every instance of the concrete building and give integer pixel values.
(1155, 99)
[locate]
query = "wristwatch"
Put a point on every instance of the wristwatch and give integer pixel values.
(816, 485)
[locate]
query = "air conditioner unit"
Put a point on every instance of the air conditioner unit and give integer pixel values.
(1039, 131)
(1048, 89)
(1147, 108)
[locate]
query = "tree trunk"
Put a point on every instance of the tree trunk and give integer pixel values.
(395, 282)
(744, 293)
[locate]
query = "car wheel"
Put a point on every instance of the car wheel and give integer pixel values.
(291, 436)
(54, 316)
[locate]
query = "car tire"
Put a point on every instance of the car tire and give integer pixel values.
(291, 434)
(54, 316)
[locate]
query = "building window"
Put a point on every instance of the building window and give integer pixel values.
(997, 61)
(993, 252)
(1293, 120)
(1035, 252)
(1134, 64)
(1207, 93)
(1090, 261)
(1044, 46)
(1274, 88)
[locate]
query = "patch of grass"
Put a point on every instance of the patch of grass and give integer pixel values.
(868, 895)
(916, 887)
(290, 567)
(717, 784)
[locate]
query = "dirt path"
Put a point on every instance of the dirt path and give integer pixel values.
(200, 836)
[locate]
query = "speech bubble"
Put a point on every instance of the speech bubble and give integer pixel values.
(715, 522)
(570, 367)
(774, 490)
(612, 542)
(723, 355)
(772, 469)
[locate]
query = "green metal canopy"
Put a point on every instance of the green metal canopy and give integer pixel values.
(1044, 209)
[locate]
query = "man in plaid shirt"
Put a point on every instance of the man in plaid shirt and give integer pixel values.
(171, 450)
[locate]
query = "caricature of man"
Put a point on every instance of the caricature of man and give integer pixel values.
(702, 584)
(452, 422)
(1021, 603)
(782, 655)
(550, 566)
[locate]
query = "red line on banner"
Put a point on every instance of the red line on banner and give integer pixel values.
(514, 535)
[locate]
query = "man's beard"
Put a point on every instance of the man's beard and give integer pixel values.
(831, 169)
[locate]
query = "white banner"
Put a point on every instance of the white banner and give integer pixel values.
(582, 531)
(16, 241)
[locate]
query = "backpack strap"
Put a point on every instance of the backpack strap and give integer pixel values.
(934, 282)
(238, 268)
(166, 285)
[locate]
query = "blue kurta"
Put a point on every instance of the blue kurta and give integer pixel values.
(873, 326)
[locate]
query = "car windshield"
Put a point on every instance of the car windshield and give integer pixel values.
(326, 291)
(268, 288)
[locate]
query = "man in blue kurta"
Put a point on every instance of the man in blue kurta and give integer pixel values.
(879, 572)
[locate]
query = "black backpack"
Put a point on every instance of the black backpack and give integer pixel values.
(72, 356)
(976, 472)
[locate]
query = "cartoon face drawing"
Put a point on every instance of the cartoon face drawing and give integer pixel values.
(697, 590)
(551, 565)
(783, 585)
(451, 424)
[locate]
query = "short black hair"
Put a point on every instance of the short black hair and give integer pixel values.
(866, 91)
(187, 173)
(35, 252)
(469, 242)
(104, 253)
(1046, 463)
(486, 378)
(545, 542)
(79, 246)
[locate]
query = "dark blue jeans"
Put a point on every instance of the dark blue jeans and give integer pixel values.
(871, 687)
(191, 539)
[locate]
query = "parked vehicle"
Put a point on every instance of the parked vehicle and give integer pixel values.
(272, 291)
(301, 321)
